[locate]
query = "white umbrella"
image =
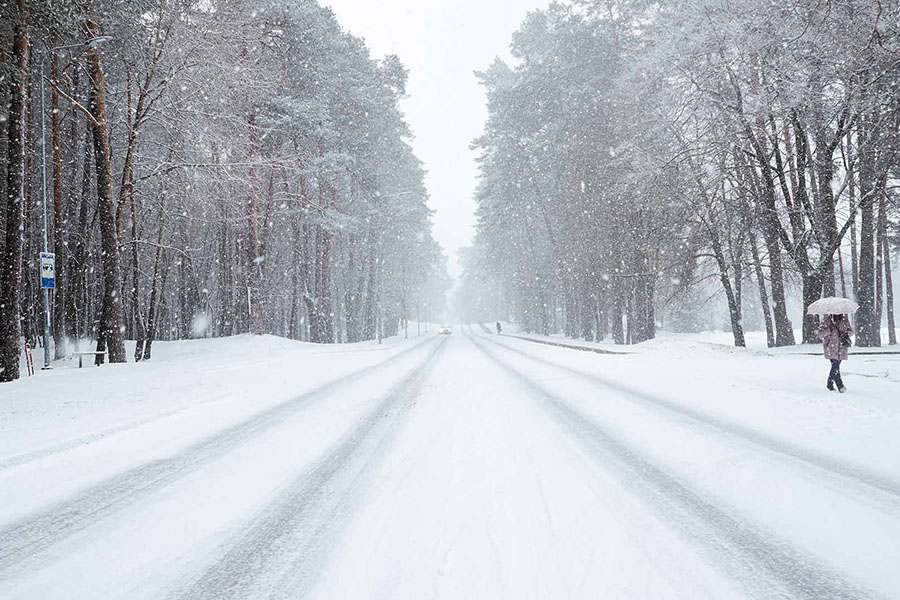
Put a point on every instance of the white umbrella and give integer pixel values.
(832, 306)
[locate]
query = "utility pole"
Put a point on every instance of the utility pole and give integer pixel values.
(45, 289)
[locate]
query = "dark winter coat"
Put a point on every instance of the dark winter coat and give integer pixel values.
(831, 333)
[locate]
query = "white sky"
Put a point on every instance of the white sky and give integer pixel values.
(441, 42)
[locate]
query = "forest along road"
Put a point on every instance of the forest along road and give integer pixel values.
(477, 466)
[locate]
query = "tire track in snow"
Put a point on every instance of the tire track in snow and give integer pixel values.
(718, 426)
(279, 554)
(23, 539)
(764, 565)
(86, 439)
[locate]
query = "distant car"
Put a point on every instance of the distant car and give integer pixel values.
(444, 330)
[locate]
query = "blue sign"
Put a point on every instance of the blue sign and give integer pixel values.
(48, 270)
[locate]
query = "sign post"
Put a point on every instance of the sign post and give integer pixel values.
(29, 362)
(48, 270)
(48, 282)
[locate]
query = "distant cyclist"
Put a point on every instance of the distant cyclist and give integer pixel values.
(499, 329)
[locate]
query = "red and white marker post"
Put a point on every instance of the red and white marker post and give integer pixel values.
(29, 362)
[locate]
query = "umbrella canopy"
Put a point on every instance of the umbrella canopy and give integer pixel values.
(832, 306)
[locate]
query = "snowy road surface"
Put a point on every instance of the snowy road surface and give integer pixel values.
(468, 466)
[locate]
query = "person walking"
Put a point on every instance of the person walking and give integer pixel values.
(499, 329)
(835, 332)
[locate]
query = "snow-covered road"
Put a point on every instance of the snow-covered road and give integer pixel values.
(468, 466)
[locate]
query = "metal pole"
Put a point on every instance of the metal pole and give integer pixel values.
(46, 292)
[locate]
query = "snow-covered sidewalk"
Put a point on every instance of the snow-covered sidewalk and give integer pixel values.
(721, 340)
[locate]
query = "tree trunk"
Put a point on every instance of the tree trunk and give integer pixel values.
(880, 235)
(111, 323)
(734, 312)
(31, 243)
(79, 274)
(840, 260)
(826, 209)
(71, 294)
(854, 253)
(11, 267)
(296, 258)
(889, 293)
(763, 295)
(784, 332)
(867, 326)
(138, 319)
(225, 262)
(812, 284)
(254, 254)
(734, 308)
(308, 277)
(59, 229)
(616, 316)
(586, 309)
(351, 296)
(370, 316)
(810, 277)
(156, 290)
(324, 300)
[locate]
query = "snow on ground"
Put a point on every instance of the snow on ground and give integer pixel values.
(754, 430)
(463, 466)
(720, 340)
(70, 406)
(484, 498)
